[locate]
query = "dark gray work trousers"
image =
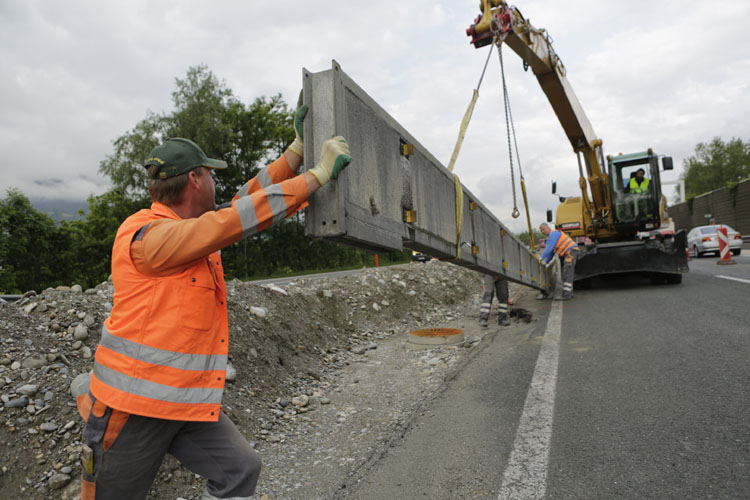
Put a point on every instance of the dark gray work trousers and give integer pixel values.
(569, 271)
(126, 463)
(492, 286)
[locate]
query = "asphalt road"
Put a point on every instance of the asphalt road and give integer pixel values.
(629, 391)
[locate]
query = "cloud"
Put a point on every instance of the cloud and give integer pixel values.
(648, 74)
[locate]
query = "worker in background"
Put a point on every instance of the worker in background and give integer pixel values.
(563, 245)
(638, 183)
(491, 285)
(160, 366)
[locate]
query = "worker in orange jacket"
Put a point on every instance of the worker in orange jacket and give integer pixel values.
(563, 245)
(160, 366)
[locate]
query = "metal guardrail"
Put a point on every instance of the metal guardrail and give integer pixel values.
(11, 298)
(396, 194)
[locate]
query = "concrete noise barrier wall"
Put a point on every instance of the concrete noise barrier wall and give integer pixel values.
(395, 194)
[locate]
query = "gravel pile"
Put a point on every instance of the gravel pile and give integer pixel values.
(321, 380)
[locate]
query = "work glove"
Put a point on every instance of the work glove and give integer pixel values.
(334, 157)
(298, 146)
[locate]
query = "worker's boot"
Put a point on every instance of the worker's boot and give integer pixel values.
(503, 320)
(483, 322)
(542, 296)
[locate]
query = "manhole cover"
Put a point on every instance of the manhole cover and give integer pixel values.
(433, 337)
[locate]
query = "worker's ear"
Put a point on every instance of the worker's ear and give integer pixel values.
(193, 180)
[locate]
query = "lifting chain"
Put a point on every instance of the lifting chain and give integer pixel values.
(510, 128)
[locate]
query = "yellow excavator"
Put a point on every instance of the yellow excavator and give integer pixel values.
(617, 218)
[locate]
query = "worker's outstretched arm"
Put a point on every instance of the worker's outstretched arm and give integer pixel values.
(167, 246)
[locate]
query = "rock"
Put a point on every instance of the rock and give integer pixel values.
(358, 349)
(76, 289)
(15, 365)
(275, 288)
(28, 389)
(76, 345)
(231, 373)
(48, 427)
(81, 332)
(376, 306)
(260, 312)
(86, 352)
(63, 288)
(327, 294)
(80, 384)
(16, 403)
(30, 307)
(325, 401)
(34, 361)
(107, 306)
(58, 481)
(89, 320)
(300, 400)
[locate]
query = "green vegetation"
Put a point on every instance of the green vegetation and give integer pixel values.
(36, 253)
(716, 165)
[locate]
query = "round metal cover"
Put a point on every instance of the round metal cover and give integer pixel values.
(432, 337)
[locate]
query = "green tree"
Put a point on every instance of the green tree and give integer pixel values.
(29, 246)
(715, 165)
(207, 112)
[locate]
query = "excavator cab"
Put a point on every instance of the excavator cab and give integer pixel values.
(635, 190)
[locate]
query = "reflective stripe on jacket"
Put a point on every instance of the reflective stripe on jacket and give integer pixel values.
(635, 188)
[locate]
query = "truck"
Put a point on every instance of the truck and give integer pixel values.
(621, 197)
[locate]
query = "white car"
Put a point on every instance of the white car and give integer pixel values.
(703, 239)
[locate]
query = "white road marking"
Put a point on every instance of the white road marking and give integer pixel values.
(733, 279)
(525, 477)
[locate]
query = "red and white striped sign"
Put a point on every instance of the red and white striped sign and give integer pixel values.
(723, 243)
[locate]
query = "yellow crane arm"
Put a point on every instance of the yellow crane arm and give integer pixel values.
(504, 24)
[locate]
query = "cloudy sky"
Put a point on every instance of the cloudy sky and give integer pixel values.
(661, 74)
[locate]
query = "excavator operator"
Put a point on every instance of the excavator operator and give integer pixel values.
(638, 184)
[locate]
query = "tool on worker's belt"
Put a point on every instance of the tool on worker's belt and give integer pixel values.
(87, 459)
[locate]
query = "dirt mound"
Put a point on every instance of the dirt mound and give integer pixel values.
(289, 347)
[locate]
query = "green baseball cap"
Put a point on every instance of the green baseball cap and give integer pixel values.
(178, 156)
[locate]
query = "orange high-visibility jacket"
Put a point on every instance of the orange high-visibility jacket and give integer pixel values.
(564, 244)
(163, 351)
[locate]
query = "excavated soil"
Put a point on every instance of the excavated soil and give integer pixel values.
(325, 379)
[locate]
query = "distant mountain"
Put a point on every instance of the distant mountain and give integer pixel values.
(61, 209)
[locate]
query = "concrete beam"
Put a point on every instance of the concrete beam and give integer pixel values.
(396, 194)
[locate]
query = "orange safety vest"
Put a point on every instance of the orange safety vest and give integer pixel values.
(163, 351)
(564, 244)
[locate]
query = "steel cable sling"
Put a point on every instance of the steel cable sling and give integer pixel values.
(511, 129)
